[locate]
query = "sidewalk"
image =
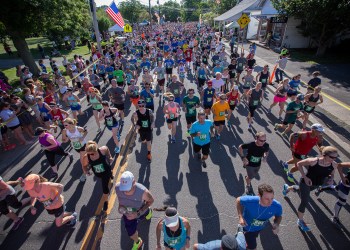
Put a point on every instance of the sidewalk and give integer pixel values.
(333, 114)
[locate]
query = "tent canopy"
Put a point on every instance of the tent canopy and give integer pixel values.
(234, 13)
(232, 25)
(144, 22)
(115, 28)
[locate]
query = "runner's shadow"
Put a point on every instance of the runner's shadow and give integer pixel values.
(143, 229)
(54, 237)
(145, 168)
(159, 118)
(268, 239)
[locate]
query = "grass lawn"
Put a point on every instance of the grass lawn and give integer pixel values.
(308, 55)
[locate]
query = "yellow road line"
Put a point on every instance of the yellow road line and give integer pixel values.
(91, 228)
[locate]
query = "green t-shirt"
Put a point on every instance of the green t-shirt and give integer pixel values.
(291, 117)
(191, 105)
(118, 74)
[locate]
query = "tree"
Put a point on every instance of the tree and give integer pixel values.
(60, 17)
(104, 23)
(321, 20)
(130, 9)
(171, 9)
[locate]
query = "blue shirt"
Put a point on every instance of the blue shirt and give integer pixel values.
(181, 60)
(294, 84)
(146, 64)
(110, 70)
(169, 63)
(148, 99)
(208, 95)
(257, 216)
(132, 61)
(204, 129)
(43, 68)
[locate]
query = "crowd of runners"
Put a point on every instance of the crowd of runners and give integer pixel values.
(148, 66)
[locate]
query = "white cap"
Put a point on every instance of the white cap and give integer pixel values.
(126, 181)
(317, 127)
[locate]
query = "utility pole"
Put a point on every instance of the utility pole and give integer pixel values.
(150, 14)
(160, 17)
(94, 21)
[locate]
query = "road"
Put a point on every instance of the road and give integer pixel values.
(205, 196)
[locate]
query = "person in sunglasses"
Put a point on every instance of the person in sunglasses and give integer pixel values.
(257, 151)
(147, 94)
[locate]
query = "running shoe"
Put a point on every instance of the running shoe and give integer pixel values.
(118, 136)
(318, 191)
(137, 245)
(17, 223)
(285, 189)
(70, 156)
(54, 175)
(117, 150)
(276, 126)
(290, 177)
(285, 166)
(336, 222)
(75, 214)
(72, 222)
(150, 214)
(105, 206)
(121, 123)
(82, 178)
(302, 225)
(280, 118)
(149, 157)
(249, 127)
(204, 164)
(249, 190)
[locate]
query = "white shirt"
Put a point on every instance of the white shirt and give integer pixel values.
(217, 84)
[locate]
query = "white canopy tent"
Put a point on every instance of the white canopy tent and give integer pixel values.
(232, 25)
(115, 28)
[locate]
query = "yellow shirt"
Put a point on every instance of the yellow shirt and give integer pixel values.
(185, 46)
(219, 110)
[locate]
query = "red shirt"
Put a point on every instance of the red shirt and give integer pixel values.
(304, 146)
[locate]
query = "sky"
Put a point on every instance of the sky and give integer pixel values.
(108, 2)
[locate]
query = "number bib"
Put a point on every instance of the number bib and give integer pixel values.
(255, 159)
(148, 99)
(99, 168)
(176, 91)
(174, 241)
(203, 137)
(240, 65)
(232, 102)
(255, 102)
(77, 145)
(109, 121)
(202, 76)
(209, 99)
(263, 80)
(221, 113)
(144, 124)
(47, 203)
(258, 223)
(171, 116)
(191, 111)
(308, 108)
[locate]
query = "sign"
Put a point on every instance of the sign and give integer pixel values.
(127, 28)
(279, 19)
(243, 21)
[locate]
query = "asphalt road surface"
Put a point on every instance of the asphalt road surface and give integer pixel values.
(205, 196)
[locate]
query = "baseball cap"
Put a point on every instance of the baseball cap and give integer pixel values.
(171, 217)
(300, 97)
(229, 242)
(30, 180)
(318, 127)
(126, 181)
(39, 130)
(141, 101)
(235, 87)
(210, 83)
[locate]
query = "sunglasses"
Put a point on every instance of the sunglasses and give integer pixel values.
(332, 157)
(141, 106)
(262, 140)
(171, 100)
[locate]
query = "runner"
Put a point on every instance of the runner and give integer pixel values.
(301, 143)
(201, 132)
(171, 111)
(134, 92)
(218, 83)
(147, 77)
(202, 74)
(311, 101)
(143, 119)
(263, 76)
(74, 103)
(134, 201)
(282, 63)
(101, 71)
(99, 160)
(181, 71)
(221, 110)
(119, 75)
(208, 97)
(8, 199)
(254, 213)
(169, 64)
(117, 96)
(280, 97)
(50, 195)
(147, 95)
(255, 97)
(77, 136)
(51, 148)
(292, 114)
(44, 110)
(159, 71)
(232, 70)
(176, 230)
(241, 63)
(248, 82)
(109, 115)
(319, 168)
(176, 88)
(314, 82)
(257, 151)
(190, 103)
(95, 101)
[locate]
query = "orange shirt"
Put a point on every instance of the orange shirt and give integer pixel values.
(219, 110)
(48, 193)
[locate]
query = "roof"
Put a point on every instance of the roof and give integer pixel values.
(234, 13)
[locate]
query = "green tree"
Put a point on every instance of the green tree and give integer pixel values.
(171, 9)
(24, 17)
(131, 9)
(322, 20)
(104, 23)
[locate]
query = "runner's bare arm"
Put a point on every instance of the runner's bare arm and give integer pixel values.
(277, 220)
(85, 164)
(64, 136)
(158, 232)
(148, 201)
(240, 212)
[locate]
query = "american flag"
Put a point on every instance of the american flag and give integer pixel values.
(114, 13)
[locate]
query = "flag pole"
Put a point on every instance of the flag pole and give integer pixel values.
(97, 32)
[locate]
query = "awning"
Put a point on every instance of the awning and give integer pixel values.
(231, 25)
(232, 14)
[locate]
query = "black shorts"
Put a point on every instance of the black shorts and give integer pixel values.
(299, 156)
(119, 106)
(146, 135)
(309, 109)
(150, 107)
(191, 119)
(57, 211)
(208, 106)
(168, 120)
(252, 110)
(250, 238)
(10, 200)
(286, 122)
(103, 75)
(232, 75)
(105, 180)
(120, 84)
(205, 148)
(3, 130)
(169, 71)
(14, 127)
(219, 123)
(232, 107)
(161, 82)
(201, 82)
(81, 149)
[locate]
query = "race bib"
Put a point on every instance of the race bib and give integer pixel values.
(191, 111)
(99, 168)
(308, 108)
(47, 203)
(144, 124)
(176, 91)
(109, 121)
(203, 137)
(255, 159)
(174, 241)
(263, 80)
(258, 223)
(202, 76)
(209, 99)
(221, 113)
(171, 116)
(232, 102)
(77, 145)
(255, 102)
(240, 65)
(148, 99)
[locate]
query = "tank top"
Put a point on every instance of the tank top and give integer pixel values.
(172, 111)
(208, 95)
(72, 101)
(181, 71)
(318, 173)
(232, 99)
(58, 115)
(303, 147)
(263, 77)
(254, 99)
(96, 105)
(100, 166)
(144, 120)
(131, 203)
(282, 92)
(45, 195)
(44, 112)
(110, 120)
(314, 99)
(43, 141)
(175, 240)
(75, 138)
(201, 73)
